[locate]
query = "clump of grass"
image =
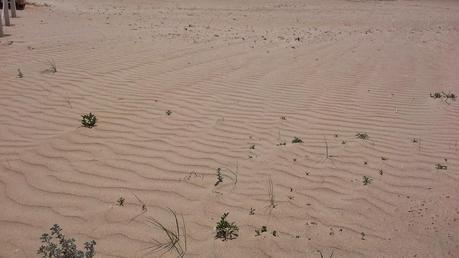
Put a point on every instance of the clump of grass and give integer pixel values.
(120, 201)
(20, 74)
(296, 140)
(52, 68)
(88, 120)
(226, 230)
(367, 180)
(322, 256)
(363, 136)
(252, 211)
(272, 202)
(252, 147)
(56, 245)
(168, 112)
(441, 167)
(175, 237)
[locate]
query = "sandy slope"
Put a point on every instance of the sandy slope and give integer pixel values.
(229, 71)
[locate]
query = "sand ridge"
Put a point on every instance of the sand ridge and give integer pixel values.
(234, 74)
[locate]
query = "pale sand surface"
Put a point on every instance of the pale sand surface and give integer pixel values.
(228, 71)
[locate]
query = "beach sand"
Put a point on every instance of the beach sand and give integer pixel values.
(241, 79)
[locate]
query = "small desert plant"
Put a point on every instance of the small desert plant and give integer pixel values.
(252, 211)
(20, 75)
(435, 95)
(62, 247)
(252, 147)
(444, 96)
(88, 120)
(363, 136)
(219, 176)
(175, 238)
(322, 256)
(282, 144)
(168, 112)
(226, 230)
(272, 202)
(441, 167)
(367, 180)
(52, 68)
(120, 201)
(296, 140)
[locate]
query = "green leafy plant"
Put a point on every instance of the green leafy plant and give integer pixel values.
(296, 140)
(56, 245)
(367, 180)
(88, 120)
(226, 230)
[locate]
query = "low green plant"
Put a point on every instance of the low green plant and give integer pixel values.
(226, 230)
(367, 180)
(88, 120)
(296, 140)
(56, 245)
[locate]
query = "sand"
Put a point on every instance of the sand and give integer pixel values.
(241, 79)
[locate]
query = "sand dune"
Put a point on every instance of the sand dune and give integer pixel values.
(240, 79)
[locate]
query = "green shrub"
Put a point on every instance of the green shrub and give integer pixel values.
(226, 230)
(55, 245)
(88, 120)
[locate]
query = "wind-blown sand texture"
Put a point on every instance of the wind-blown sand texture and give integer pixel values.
(234, 74)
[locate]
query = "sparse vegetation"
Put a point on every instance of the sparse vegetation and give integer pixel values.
(120, 201)
(322, 256)
(252, 147)
(296, 140)
(168, 112)
(441, 167)
(52, 68)
(175, 237)
(252, 211)
(88, 120)
(219, 176)
(363, 136)
(443, 95)
(367, 180)
(56, 245)
(20, 75)
(225, 230)
(272, 202)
